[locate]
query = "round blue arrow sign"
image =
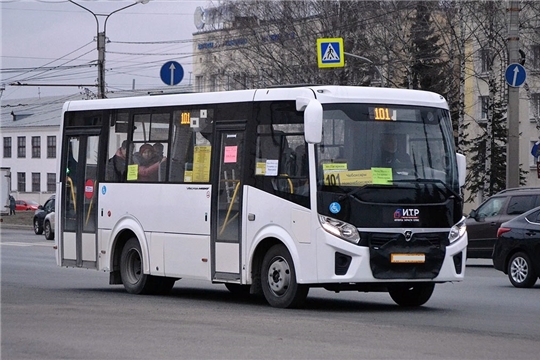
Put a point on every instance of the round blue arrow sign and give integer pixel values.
(171, 73)
(515, 75)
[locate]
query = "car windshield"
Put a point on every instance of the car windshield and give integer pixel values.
(367, 144)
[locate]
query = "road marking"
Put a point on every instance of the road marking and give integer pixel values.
(45, 244)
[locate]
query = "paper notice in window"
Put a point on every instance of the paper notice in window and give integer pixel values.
(271, 167)
(133, 172)
(231, 153)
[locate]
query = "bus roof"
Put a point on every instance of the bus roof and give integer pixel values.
(325, 94)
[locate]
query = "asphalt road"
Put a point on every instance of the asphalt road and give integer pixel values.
(50, 312)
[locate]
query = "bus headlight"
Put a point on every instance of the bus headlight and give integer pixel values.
(457, 230)
(340, 229)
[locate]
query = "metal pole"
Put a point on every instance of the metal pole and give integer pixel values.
(101, 40)
(101, 64)
(368, 61)
(512, 147)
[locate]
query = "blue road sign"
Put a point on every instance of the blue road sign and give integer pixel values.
(515, 75)
(171, 73)
(330, 52)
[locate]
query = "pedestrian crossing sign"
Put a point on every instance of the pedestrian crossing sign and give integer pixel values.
(330, 52)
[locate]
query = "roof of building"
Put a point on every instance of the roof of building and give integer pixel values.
(47, 111)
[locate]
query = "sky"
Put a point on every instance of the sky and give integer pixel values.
(54, 42)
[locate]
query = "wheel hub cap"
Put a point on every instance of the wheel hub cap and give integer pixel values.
(279, 276)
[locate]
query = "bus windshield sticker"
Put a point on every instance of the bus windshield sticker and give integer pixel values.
(230, 154)
(201, 163)
(350, 178)
(334, 207)
(133, 172)
(271, 167)
(260, 168)
(334, 166)
(382, 176)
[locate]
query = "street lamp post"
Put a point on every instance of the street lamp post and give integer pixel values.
(368, 61)
(101, 39)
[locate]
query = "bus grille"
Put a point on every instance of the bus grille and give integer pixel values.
(383, 245)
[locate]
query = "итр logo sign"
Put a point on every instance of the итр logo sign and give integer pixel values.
(407, 214)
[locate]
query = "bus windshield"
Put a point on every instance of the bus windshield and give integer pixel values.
(375, 144)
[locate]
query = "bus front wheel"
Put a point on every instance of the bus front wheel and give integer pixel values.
(278, 278)
(411, 294)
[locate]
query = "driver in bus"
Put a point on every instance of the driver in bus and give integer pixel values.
(390, 155)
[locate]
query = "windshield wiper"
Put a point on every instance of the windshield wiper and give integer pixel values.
(353, 192)
(430, 181)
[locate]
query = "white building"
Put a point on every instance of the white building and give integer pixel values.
(30, 139)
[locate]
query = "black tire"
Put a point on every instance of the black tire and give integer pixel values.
(278, 279)
(47, 230)
(237, 289)
(411, 295)
(131, 269)
(38, 229)
(521, 272)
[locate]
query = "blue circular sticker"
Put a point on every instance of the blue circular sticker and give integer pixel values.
(334, 208)
(103, 189)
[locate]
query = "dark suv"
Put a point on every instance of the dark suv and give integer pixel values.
(483, 223)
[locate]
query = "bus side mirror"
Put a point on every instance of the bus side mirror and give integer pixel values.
(313, 116)
(462, 168)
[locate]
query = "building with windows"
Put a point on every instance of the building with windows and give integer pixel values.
(30, 131)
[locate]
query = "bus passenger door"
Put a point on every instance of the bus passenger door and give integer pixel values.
(78, 235)
(227, 205)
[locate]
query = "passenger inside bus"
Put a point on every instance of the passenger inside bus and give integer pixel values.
(116, 166)
(148, 164)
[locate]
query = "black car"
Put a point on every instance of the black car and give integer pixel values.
(40, 214)
(483, 223)
(517, 249)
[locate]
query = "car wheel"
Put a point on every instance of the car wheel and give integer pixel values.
(411, 294)
(49, 233)
(520, 271)
(38, 229)
(278, 278)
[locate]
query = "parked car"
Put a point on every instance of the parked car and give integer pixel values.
(483, 223)
(24, 205)
(48, 226)
(517, 249)
(41, 213)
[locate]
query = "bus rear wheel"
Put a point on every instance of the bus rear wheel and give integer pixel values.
(278, 278)
(411, 295)
(133, 277)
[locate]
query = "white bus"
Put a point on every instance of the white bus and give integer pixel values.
(269, 191)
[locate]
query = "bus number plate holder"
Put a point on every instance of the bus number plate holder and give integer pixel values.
(407, 258)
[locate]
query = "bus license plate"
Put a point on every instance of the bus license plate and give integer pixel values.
(407, 258)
